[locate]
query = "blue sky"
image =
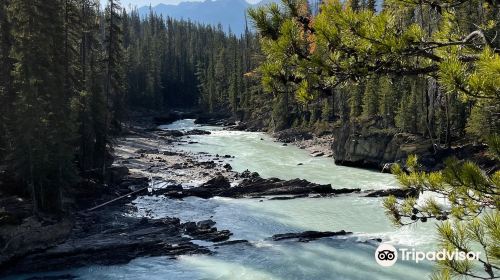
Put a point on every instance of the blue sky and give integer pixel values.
(140, 3)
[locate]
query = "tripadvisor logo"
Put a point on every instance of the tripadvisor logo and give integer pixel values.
(387, 255)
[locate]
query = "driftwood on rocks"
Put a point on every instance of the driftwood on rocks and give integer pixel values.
(116, 199)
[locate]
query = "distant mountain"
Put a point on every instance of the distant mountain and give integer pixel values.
(229, 13)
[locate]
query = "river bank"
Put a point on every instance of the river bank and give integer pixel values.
(366, 145)
(148, 163)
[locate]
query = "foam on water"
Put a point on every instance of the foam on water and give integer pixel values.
(349, 257)
(253, 220)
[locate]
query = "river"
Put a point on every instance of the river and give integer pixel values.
(256, 220)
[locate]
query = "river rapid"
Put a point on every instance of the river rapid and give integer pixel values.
(256, 220)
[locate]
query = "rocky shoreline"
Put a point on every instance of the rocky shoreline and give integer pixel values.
(103, 229)
(368, 146)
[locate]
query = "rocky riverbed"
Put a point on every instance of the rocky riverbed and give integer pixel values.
(109, 225)
(104, 231)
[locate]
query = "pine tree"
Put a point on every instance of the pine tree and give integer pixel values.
(472, 221)
(6, 93)
(42, 153)
(114, 77)
(483, 121)
(371, 98)
(388, 101)
(114, 58)
(356, 100)
(91, 102)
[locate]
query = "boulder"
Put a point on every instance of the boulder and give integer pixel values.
(197, 132)
(275, 187)
(239, 126)
(317, 154)
(200, 192)
(368, 146)
(247, 174)
(115, 174)
(205, 224)
(171, 133)
(293, 135)
(108, 240)
(307, 236)
(258, 187)
(190, 227)
(204, 230)
(219, 182)
(399, 193)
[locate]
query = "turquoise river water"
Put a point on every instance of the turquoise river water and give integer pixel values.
(329, 258)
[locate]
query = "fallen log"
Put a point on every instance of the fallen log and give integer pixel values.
(116, 199)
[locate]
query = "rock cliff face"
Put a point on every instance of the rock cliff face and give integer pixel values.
(358, 147)
(367, 146)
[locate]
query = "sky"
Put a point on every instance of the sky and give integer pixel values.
(140, 3)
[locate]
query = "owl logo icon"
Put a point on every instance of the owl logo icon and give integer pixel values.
(386, 255)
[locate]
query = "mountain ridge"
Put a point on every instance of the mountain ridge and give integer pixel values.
(229, 13)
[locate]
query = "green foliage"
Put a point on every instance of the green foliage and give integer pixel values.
(222, 70)
(472, 221)
(349, 46)
(41, 129)
(371, 98)
(483, 120)
(444, 56)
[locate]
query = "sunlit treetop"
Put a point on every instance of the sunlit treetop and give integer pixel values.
(342, 44)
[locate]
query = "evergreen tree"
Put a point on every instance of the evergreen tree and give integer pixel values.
(114, 58)
(6, 93)
(68, 70)
(388, 101)
(356, 100)
(91, 106)
(483, 120)
(43, 132)
(473, 220)
(371, 98)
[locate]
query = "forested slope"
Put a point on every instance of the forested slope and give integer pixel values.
(71, 72)
(384, 83)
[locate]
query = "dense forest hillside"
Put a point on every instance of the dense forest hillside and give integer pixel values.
(68, 82)
(173, 63)
(69, 78)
